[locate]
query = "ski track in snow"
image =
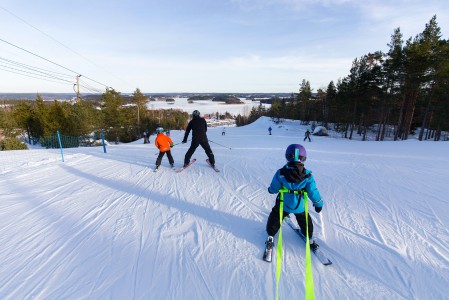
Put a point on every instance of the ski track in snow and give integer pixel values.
(105, 226)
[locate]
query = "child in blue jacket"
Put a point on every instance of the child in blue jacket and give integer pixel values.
(294, 177)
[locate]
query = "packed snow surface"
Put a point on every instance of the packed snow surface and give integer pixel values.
(105, 226)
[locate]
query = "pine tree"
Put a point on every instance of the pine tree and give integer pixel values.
(430, 42)
(330, 109)
(304, 96)
(23, 114)
(40, 118)
(113, 114)
(140, 100)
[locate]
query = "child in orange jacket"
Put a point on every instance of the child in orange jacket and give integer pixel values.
(164, 144)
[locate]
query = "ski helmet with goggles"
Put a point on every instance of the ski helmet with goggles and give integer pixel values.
(295, 152)
(159, 130)
(196, 113)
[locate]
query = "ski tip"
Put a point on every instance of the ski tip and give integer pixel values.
(328, 263)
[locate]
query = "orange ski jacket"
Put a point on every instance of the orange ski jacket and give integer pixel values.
(163, 142)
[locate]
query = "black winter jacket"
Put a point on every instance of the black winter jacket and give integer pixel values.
(199, 127)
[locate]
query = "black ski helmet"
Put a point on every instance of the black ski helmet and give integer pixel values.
(196, 113)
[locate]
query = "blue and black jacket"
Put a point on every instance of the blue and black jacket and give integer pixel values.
(294, 177)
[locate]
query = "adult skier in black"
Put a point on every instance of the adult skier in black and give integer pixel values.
(198, 126)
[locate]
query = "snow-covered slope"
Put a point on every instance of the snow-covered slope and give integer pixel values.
(104, 226)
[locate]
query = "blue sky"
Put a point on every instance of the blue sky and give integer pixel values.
(198, 45)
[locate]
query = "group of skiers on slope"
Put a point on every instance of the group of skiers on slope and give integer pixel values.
(293, 176)
(198, 126)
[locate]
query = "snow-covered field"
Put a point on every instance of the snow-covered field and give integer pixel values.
(105, 226)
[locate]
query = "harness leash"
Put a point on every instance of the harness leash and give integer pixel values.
(279, 245)
(310, 290)
(309, 286)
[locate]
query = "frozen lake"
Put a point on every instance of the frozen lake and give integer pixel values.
(207, 106)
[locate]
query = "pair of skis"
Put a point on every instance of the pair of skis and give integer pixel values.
(194, 160)
(268, 253)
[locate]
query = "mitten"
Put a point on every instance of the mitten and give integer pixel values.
(318, 209)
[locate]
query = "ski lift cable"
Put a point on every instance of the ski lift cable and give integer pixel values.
(65, 46)
(18, 64)
(59, 65)
(32, 76)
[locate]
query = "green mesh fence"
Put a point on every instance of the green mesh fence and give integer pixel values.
(52, 142)
(46, 150)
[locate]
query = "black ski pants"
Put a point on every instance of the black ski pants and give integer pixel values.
(161, 154)
(273, 221)
(205, 144)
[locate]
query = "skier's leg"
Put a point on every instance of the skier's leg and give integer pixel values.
(159, 158)
(301, 218)
(273, 223)
(208, 150)
(170, 157)
(191, 150)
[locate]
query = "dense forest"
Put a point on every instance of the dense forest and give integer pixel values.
(394, 93)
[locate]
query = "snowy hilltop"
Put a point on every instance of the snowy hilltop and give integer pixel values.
(105, 226)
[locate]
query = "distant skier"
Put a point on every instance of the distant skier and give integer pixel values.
(307, 135)
(146, 137)
(294, 177)
(269, 130)
(199, 127)
(164, 144)
(223, 131)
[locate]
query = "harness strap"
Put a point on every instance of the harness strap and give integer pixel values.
(293, 191)
(279, 245)
(310, 289)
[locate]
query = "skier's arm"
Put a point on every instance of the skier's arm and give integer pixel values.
(186, 135)
(275, 185)
(313, 193)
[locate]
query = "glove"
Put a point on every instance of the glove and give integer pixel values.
(184, 141)
(270, 191)
(171, 145)
(318, 209)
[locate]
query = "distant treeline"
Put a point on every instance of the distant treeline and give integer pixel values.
(406, 88)
(118, 121)
(220, 98)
